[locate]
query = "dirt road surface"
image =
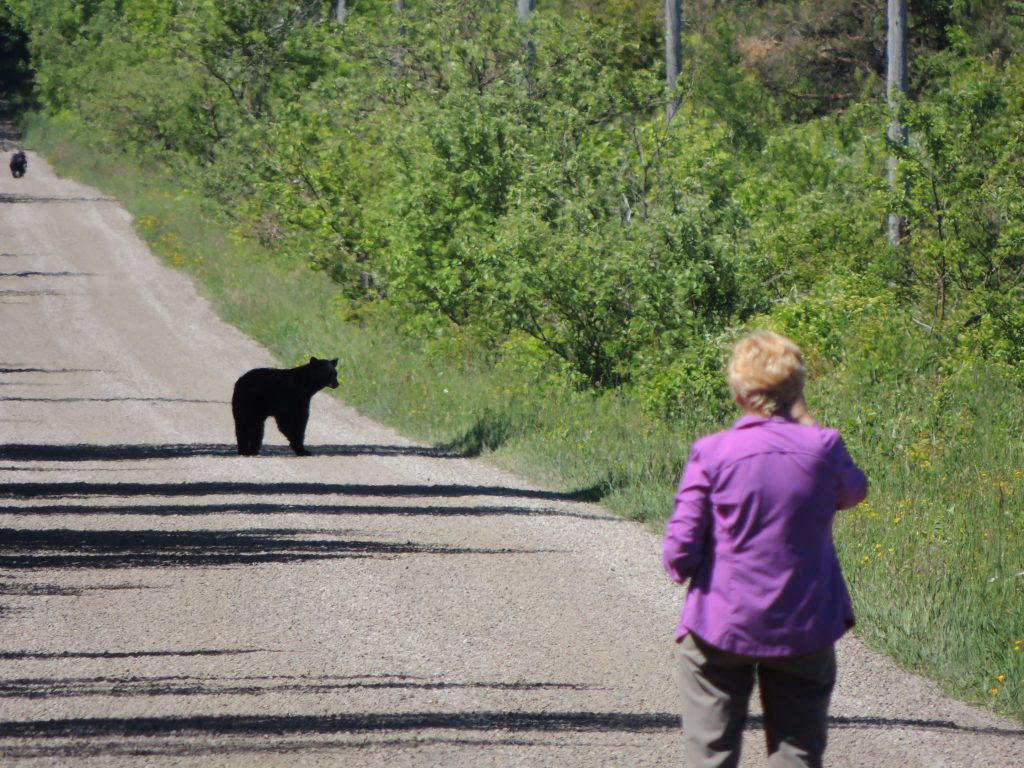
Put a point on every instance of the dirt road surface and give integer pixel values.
(164, 602)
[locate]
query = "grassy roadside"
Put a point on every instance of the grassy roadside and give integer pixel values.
(935, 560)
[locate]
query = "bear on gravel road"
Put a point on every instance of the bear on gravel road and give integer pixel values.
(283, 394)
(19, 164)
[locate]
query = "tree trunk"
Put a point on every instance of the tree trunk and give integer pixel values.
(896, 89)
(673, 53)
(524, 6)
(340, 12)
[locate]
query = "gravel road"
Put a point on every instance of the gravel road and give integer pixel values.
(164, 602)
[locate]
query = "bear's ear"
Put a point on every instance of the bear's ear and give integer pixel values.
(313, 360)
(334, 362)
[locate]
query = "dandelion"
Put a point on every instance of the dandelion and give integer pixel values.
(1001, 678)
(1018, 646)
(994, 691)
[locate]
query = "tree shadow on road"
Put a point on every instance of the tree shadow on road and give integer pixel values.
(64, 549)
(28, 452)
(25, 294)
(110, 400)
(6, 198)
(107, 654)
(34, 589)
(143, 452)
(287, 725)
(217, 488)
(284, 508)
(120, 686)
(287, 735)
(30, 273)
(10, 368)
(756, 722)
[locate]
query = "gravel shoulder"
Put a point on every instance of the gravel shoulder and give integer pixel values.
(164, 602)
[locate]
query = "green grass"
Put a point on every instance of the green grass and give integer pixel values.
(938, 582)
(935, 560)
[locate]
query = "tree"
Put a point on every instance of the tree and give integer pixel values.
(896, 89)
(341, 12)
(673, 53)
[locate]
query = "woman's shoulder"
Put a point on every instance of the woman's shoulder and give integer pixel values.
(830, 444)
(810, 436)
(829, 436)
(706, 447)
(715, 445)
(744, 434)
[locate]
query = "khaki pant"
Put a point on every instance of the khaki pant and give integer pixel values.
(716, 688)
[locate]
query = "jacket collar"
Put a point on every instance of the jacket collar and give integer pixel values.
(753, 420)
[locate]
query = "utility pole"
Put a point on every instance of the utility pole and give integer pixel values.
(673, 53)
(524, 6)
(895, 91)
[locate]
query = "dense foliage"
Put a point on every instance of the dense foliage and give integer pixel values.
(454, 171)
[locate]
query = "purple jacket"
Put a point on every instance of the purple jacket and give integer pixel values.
(752, 531)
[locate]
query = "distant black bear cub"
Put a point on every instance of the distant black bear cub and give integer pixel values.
(19, 164)
(283, 394)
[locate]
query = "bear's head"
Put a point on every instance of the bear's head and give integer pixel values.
(325, 372)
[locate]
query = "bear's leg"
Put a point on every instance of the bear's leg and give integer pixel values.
(293, 426)
(249, 434)
(256, 437)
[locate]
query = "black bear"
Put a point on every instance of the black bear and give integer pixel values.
(19, 164)
(283, 394)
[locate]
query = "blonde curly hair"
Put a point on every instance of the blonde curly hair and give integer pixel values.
(766, 375)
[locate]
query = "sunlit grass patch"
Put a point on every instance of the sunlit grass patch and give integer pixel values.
(939, 584)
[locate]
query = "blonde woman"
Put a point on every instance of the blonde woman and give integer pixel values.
(752, 533)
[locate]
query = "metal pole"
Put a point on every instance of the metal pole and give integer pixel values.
(896, 88)
(673, 53)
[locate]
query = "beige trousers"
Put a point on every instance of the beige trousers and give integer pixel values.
(715, 687)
